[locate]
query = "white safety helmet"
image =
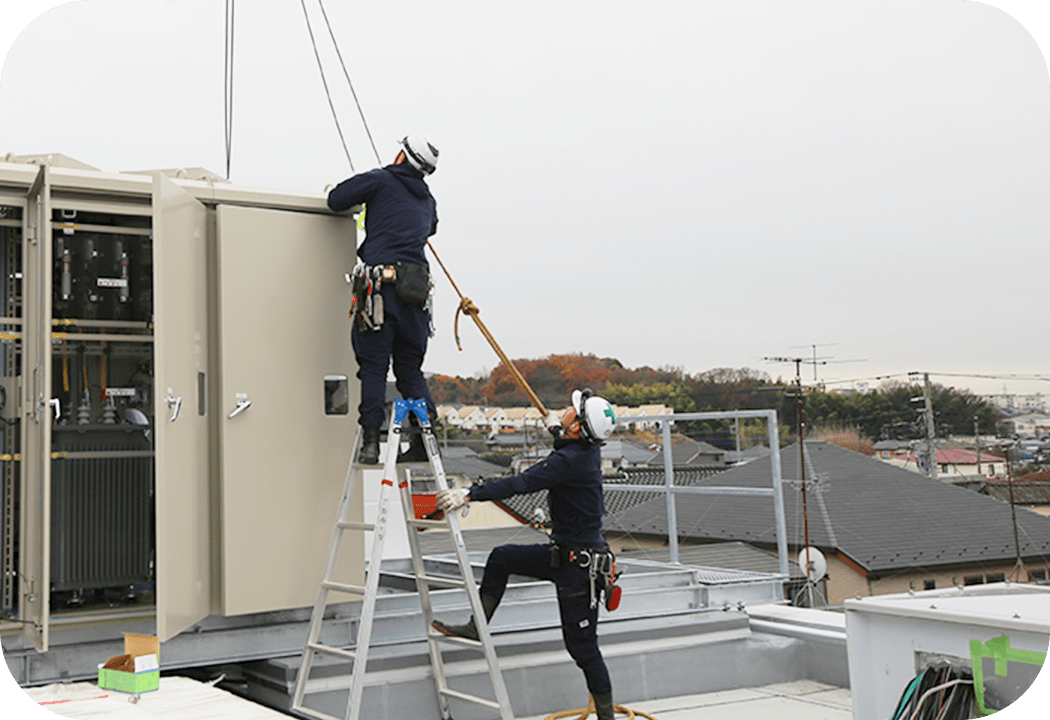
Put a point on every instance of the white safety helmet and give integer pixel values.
(420, 153)
(596, 416)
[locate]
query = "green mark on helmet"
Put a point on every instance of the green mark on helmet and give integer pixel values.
(609, 412)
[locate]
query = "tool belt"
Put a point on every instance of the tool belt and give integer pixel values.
(600, 564)
(411, 283)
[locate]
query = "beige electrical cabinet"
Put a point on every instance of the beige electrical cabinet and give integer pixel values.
(178, 396)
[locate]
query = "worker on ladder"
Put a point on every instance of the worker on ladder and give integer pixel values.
(577, 560)
(392, 285)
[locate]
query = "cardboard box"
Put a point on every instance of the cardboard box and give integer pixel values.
(137, 670)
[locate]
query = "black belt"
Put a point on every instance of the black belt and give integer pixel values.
(583, 557)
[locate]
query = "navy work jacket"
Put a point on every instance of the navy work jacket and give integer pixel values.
(572, 475)
(401, 213)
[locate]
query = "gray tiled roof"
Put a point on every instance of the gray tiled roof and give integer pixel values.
(616, 501)
(1025, 493)
(480, 539)
(465, 462)
(880, 516)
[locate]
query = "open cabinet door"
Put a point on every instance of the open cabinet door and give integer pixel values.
(36, 415)
(183, 502)
(284, 337)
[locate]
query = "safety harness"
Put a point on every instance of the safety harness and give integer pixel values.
(600, 564)
(366, 281)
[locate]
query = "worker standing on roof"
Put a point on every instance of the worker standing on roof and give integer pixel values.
(578, 560)
(391, 307)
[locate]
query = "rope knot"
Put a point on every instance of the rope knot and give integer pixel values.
(467, 307)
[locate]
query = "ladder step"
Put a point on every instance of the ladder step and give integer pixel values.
(443, 581)
(343, 587)
(333, 651)
(314, 713)
(428, 523)
(471, 698)
(346, 525)
(453, 640)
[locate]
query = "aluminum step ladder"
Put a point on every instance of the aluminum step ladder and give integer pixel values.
(358, 655)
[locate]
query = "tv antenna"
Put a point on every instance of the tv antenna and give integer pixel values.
(815, 360)
(801, 451)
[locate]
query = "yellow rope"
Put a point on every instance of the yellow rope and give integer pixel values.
(584, 713)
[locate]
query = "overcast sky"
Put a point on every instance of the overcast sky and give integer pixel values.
(698, 184)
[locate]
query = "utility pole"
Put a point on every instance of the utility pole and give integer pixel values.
(801, 459)
(977, 442)
(931, 428)
(1018, 573)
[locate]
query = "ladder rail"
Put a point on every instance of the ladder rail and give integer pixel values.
(423, 589)
(463, 559)
(372, 572)
(317, 616)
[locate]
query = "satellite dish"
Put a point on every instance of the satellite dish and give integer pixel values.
(813, 563)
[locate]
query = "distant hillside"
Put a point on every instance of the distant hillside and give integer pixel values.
(888, 411)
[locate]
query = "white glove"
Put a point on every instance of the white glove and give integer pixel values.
(452, 499)
(552, 420)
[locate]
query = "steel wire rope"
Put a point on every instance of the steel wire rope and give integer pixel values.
(324, 81)
(228, 83)
(353, 92)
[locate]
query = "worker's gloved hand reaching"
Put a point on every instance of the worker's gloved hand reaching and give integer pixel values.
(553, 423)
(452, 499)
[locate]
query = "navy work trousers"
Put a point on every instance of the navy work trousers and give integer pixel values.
(579, 622)
(403, 338)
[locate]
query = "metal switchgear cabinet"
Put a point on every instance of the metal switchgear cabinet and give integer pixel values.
(168, 353)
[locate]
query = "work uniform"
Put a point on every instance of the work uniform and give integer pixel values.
(400, 215)
(573, 478)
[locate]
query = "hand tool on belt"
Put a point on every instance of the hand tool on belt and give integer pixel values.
(600, 564)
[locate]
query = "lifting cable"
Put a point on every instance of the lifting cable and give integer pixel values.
(349, 82)
(228, 83)
(324, 81)
(353, 92)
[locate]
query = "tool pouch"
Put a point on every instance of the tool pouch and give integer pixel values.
(413, 283)
(366, 307)
(607, 577)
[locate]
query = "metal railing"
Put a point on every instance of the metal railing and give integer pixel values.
(671, 490)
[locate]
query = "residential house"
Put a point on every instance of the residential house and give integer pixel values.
(520, 418)
(495, 418)
(618, 453)
(472, 417)
(891, 448)
(1030, 492)
(636, 418)
(448, 415)
(956, 462)
(882, 529)
(1031, 425)
(686, 451)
